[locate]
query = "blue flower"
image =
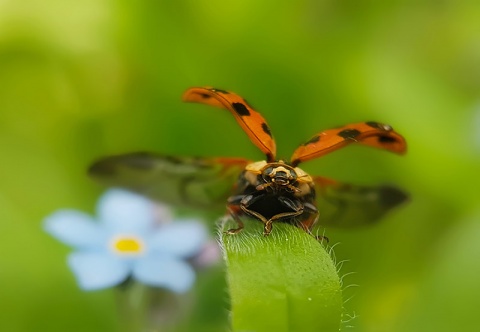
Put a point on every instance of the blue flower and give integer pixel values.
(132, 238)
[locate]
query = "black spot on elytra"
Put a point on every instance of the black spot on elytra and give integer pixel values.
(266, 129)
(349, 133)
(373, 124)
(205, 95)
(241, 109)
(386, 139)
(377, 125)
(221, 91)
(314, 139)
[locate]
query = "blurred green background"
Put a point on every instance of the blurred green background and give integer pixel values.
(84, 79)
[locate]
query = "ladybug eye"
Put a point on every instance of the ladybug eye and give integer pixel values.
(293, 175)
(268, 171)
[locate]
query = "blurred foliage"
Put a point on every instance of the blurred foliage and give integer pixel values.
(83, 79)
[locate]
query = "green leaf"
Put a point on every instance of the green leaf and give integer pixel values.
(286, 281)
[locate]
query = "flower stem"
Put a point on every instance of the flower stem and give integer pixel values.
(131, 306)
(144, 308)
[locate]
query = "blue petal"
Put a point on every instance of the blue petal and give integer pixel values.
(124, 211)
(183, 239)
(74, 228)
(164, 271)
(95, 270)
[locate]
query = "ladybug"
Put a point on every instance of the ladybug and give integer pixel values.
(271, 190)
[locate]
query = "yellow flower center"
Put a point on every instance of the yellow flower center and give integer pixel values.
(127, 245)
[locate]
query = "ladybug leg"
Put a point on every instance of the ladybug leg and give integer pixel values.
(310, 218)
(240, 203)
(234, 215)
(294, 205)
(233, 209)
(248, 200)
(245, 204)
(267, 228)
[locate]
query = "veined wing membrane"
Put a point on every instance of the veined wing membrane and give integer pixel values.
(193, 182)
(343, 205)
